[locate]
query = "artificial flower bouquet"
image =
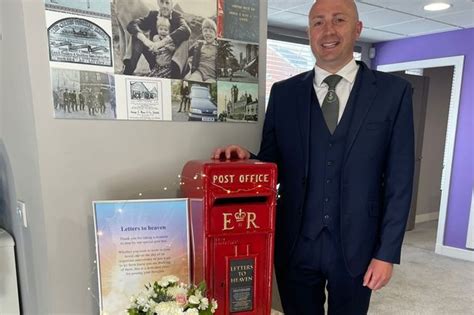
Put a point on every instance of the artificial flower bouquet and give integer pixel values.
(168, 296)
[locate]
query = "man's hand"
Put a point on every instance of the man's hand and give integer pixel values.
(231, 152)
(378, 274)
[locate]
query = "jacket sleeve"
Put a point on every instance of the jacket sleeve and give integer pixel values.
(142, 24)
(268, 147)
(398, 182)
(180, 30)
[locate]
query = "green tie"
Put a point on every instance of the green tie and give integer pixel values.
(330, 105)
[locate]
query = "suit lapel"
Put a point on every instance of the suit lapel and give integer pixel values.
(303, 106)
(362, 96)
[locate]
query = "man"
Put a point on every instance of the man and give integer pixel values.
(342, 137)
(143, 45)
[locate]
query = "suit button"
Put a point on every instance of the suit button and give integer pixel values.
(330, 163)
(326, 217)
(330, 144)
(326, 199)
(328, 181)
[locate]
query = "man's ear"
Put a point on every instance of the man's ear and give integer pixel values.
(359, 28)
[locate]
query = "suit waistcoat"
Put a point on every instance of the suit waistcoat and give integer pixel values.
(326, 155)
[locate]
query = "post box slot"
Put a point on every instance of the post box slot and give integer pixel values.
(240, 200)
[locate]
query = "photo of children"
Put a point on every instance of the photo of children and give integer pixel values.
(141, 49)
(203, 54)
(163, 55)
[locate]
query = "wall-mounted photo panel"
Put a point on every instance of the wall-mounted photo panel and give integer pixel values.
(165, 39)
(194, 101)
(83, 94)
(237, 61)
(238, 20)
(237, 102)
(139, 242)
(166, 58)
(98, 8)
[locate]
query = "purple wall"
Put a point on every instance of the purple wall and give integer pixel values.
(441, 45)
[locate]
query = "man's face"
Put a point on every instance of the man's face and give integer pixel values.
(165, 7)
(333, 31)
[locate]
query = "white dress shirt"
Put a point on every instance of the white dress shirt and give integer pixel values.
(343, 88)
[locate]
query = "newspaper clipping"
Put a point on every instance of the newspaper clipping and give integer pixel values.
(144, 100)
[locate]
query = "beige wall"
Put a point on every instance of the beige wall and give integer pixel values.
(61, 166)
(439, 97)
(23, 173)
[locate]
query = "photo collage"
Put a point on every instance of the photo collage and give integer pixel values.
(169, 60)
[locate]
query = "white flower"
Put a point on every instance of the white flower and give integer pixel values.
(142, 299)
(168, 308)
(167, 280)
(175, 291)
(171, 279)
(198, 294)
(204, 304)
(192, 311)
(194, 300)
(214, 305)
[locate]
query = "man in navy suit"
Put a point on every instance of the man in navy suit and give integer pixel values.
(342, 137)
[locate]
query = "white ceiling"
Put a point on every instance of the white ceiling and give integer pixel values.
(383, 19)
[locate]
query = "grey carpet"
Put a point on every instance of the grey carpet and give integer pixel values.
(424, 282)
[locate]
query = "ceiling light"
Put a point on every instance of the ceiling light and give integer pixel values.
(437, 6)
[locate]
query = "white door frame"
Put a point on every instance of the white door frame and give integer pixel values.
(458, 63)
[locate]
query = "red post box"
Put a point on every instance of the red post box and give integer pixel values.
(232, 214)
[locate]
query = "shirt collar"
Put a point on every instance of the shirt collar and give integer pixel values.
(348, 72)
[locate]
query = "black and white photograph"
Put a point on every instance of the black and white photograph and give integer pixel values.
(237, 102)
(194, 101)
(238, 20)
(165, 38)
(83, 94)
(145, 100)
(237, 62)
(97, 8)
(77, 40)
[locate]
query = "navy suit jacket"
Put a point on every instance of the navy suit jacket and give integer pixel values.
(377, 172)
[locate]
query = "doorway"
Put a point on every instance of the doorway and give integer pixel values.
(437, 144)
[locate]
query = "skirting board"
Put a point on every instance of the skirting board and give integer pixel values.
(453, 252)
(425, 217)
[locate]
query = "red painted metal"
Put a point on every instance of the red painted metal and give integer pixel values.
(232, 214)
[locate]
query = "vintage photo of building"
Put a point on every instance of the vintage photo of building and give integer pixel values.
(237, 102)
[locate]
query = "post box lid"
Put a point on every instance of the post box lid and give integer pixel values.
(229, 178)
(5, 239)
